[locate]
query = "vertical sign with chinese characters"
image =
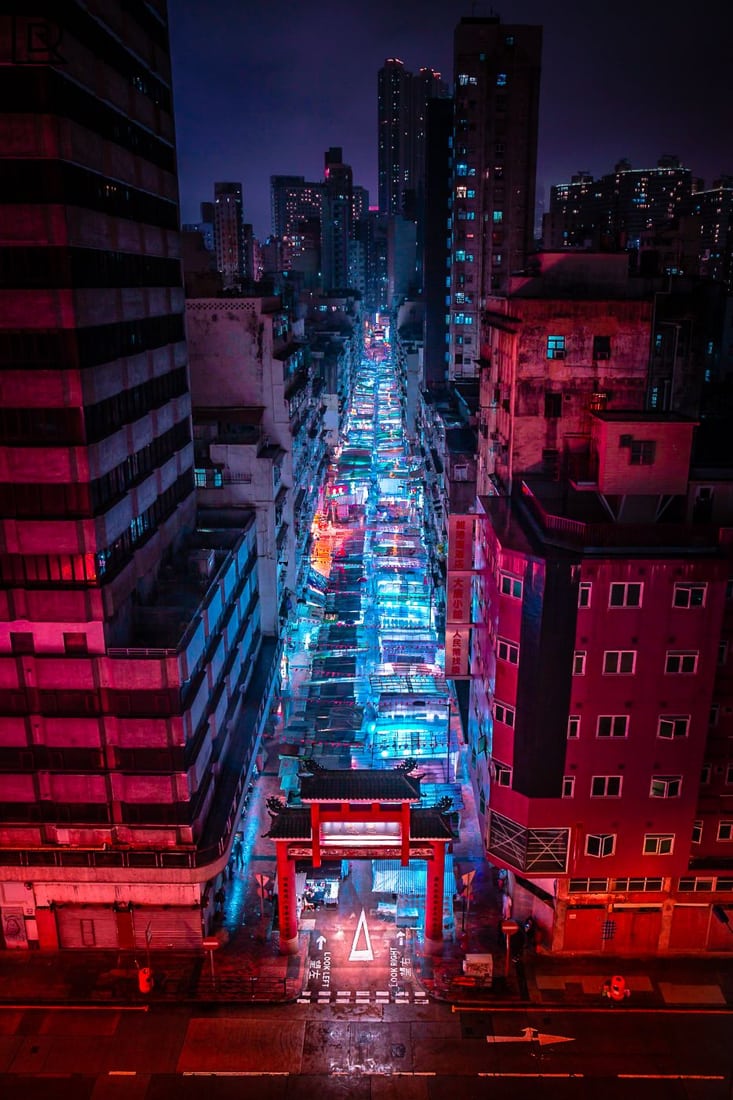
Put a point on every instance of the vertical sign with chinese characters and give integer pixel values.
(458, 595)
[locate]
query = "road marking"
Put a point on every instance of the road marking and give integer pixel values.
(233, 1073)
(530, 1035)
(565, 1075)
(671, 1076)
(122, 1073)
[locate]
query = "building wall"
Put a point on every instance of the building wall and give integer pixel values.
(538, 759)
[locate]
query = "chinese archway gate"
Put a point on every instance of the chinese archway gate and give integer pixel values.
(358, 814)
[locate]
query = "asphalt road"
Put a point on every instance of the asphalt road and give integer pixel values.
(370, 1052)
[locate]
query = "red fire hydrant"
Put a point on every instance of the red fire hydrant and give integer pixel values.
(616, 989)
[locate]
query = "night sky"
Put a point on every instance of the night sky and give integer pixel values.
(266, 87)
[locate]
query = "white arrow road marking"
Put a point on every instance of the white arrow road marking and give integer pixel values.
(321, 942)
(530, 1035)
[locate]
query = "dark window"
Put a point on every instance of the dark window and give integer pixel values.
(553, 405)
(601, 347)
(22, 641)
(643, 452)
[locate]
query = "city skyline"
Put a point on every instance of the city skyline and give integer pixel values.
(291, 84)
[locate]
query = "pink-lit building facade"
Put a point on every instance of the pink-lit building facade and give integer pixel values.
(600, 688)
(134, 672)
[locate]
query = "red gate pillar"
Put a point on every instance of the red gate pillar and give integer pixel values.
(287, 902)
(434, 900)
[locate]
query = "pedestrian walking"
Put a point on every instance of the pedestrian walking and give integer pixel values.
(219, 898)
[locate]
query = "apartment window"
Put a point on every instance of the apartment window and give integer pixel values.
(722, 653)
(505, 714)
(600, 844)
(507, 651)
(606, 786)
(658, 844)
(75, 643)
(729, 590)
(573, 726)
(502, 774)
(689, 595)
(601, 347)
(598, 402)
(680, 661)
(625, 885)
(625, 595)
(642, 452)
(501, 80)
(579, 662)
(510, 586)
(665, 786)
(612, 725)
(588, 886)
(555, 347)
(725, 830)
(499, 149)
(584, 590)
(714, 715)
(568, 786)
(21, 641)
(497, 216)
(697, 832)
(705, 773)
(619, 661)
(672, 726)
(729, 774)
(553, 406)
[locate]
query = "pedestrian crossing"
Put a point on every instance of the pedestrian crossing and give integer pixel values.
(362, 997)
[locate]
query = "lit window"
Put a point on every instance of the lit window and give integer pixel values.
(568, 786)
(665, 786)
(504, 714)
(680, 661)
(689, 595)
(619, 661)
(672, 726)
(460, 256)
(510, 586)
(605, 786)
(625, 595)
(555, 347)
(498, 216)
(658, 844)
(600, 844)
(612, 725)
(579, 662)
(501, 80)
(584, 591)
(507, 651)
(573, 726)
(461, 192)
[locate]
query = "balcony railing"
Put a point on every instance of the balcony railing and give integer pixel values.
(558, 528)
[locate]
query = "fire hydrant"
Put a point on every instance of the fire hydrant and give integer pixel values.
(145, 979)
(615, 988)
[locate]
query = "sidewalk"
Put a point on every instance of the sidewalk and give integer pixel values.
(254, 973)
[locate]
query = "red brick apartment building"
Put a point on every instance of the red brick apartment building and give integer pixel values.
(601, 698)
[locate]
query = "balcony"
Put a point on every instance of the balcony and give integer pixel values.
(548, 505)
